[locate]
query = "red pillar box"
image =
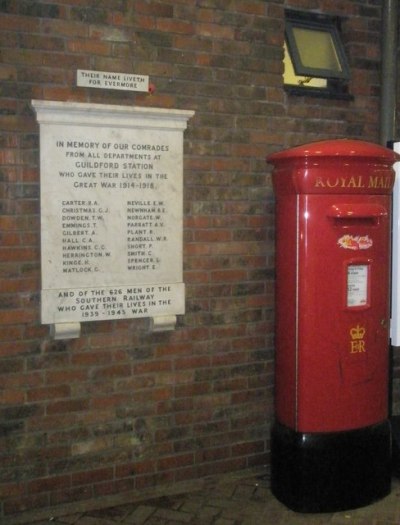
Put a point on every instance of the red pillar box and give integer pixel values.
(331, 443)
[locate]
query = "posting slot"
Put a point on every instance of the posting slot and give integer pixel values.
(356, 214)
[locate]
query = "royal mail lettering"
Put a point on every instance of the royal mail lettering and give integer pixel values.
(379, 182)
(340, 182)
(359, 181)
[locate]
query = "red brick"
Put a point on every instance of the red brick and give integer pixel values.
(228, 275)
(20, 23)
(92, 358)
(69, 495)
(171, 349)
(192, 390)
(111, 340)
(220, 467)
(49, 484)
(215, 31)
(73, 405)
(25, 503)
(253, 447)
(173, 404)
(152, 480)
(45, 393)
(109, 401)
(212, 401)
(135, 468)
(109, 487)
(11, 490)
(93, 476)
(93, 47)
(213, 236)
(136, 383)
(17, 285)
(251, 8)
(65, 28)
(11, 333)
(18, 254)
(142, 22)
(175, 26)
(248, 396)
(175, 378)
(227, 385)
(174, 462)
(16, 348)
(214, 454)
(152, 366)
(111, 371)
(47, 423)
(193, 277)
(63, 93)
(194, 362)
(198, 222)
(159, 394)
(158, 9)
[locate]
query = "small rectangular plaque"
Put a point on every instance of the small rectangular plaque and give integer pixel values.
(112, 80)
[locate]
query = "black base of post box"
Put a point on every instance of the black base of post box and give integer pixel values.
(395, 424)
(330, 472)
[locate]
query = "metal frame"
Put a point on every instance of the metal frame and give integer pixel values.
(320, 23)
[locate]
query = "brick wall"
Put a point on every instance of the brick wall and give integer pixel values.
(120, 408)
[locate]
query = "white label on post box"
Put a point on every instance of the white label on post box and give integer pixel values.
(357, 285)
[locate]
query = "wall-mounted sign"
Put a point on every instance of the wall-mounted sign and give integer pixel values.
(111, 211)
(112, 80)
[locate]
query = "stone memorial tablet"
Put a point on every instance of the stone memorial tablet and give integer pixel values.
(111, 211)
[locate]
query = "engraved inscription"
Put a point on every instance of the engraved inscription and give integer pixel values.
(111, 211)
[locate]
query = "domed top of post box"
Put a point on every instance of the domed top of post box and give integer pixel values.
(334, 166)
(336, 148)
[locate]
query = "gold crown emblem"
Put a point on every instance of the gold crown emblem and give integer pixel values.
(357, 332)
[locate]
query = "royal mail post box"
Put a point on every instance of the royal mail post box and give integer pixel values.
(331, 443)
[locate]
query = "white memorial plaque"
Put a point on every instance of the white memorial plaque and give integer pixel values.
(111, 211)
(357, 285)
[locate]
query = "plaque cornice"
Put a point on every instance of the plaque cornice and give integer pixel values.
(88, 114)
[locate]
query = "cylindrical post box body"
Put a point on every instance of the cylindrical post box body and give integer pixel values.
(330, 446)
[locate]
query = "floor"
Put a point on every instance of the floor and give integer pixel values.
(232, 500)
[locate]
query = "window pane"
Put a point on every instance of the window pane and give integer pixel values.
(290, 76)
(316, 49)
